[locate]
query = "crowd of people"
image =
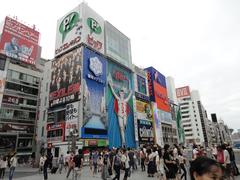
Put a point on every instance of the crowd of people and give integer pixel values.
(169, 162)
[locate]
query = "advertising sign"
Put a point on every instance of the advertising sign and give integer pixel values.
(93, 86)
(15, 128)
(72, 117)
(117, 45)
(157, 125)
(161, 98)
(145, 131)
(120, 107)
(143, 110)
(10, 99)
(141, 85)
(164, 116)
(81, 25)
(183, 91)
(156, 76)
(2, 84)
(19, 41)
(93, 29)
(66, 78)
(55, 132)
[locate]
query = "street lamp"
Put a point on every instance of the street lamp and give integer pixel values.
(73, 135)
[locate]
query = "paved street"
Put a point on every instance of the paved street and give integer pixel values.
(34, 175)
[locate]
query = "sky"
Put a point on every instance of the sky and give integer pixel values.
(195, 42)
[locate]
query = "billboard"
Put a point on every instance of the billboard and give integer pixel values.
(157, 125)
(93, 90)
(141, 85)
(16, 128)
(183, 91)
(3, 75)
(19, 41)
(55, 132)
(66, 78)
(145, 131)
(120, 107)
(156, 76)
(161, 97)
(72, 117)
(81, 25)
(143, 110)
(117, 45)
(164, 116)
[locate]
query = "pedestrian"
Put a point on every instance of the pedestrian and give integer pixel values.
(182, 161)
(131, 159)
(41, 163)
(61, 163)
(70, 164)
(125, 160)
(13, 164)
(91, 162)
(106, 164)
(95, 161)
(160, 165)
(78, 164)
(151, 162)
(116, 165)
(232, 159)
(142, 159)
(45, 167)
(3, 166)
(67, 157)
(50, 159)
(204, 168)
(227, 162)
(169, 163)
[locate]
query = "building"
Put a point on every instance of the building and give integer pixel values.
(20, 76)
(193, 119)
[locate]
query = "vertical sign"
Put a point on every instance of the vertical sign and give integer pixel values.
(72, 117)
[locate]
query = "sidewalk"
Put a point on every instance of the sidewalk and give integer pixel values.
(24, 170)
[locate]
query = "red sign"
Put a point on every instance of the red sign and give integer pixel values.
(183, 91)
(55, 126)
(161, 97)
(19, 41)
(10, 99)
(118, 75)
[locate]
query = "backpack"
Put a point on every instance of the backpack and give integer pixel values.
(220, 157)
(42, 161)
(117, 160)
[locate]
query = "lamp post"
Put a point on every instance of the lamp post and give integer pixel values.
(74, 135)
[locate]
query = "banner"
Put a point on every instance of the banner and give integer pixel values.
(93, 86)
(120, 107)
(145, 131)
(72, 117)
(157, 125)
(55, 132)
(3, 75)
(19, 41)
(143, 110)
(183, 91)
(161, 97)
(66, 78)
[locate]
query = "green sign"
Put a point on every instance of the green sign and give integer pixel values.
(102, 143)
(68, 24)
(94, 26)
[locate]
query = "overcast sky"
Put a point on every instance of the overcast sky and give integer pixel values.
(196, 42)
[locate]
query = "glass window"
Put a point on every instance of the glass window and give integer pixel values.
(29, 79)
(15, 75)
(47, 86)
(44, 115)
(2, 64)
(42, 131)
(45, 101)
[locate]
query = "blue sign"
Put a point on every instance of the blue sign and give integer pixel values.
(93, 90)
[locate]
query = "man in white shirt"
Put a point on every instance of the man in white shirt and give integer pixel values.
(13, 164)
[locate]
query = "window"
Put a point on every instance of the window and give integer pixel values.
(197, 129)
(29, 79)
(44, 115)
(42, 131)
(15, 75)
(2, 64)
(47, 86)
(31, 102)
(198, 134)
(45, 101)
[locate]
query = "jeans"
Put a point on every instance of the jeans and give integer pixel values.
(60, 168)
(69, 171)
(12, 169)
(45, 173)
(2, 173)
(184, 171)
(117, 171)
(142, 164)
(126, 173)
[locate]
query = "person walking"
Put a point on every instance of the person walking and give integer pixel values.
(125, 160)
(13, 164)
(61, 163)
(3, 166)
(182, 161)
(70, 164)
(116, 165)
(95, 162)
(78, 164)
(45, 167)
(169, 163)
(106, 163)
(41, 163)
(142, 159)
(160, 165)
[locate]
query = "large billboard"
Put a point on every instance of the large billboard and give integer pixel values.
(66, 78)
(72, 117)
(157, 125)
(2, 84)
(81, 25)
(93, 86)
(145, 131)
(161, 97)
(183, 91)
(19, 41)
(120, 107)
(117, 45)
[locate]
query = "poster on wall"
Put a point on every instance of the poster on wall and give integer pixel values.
(141, 85)
(3, 75)
(145, 131)
(143, 110)
(66, 78)
(120, 107)
(117, 45)
(157, 125)
(93, 88)
(72, 117)
(19, 41)
(81, 25)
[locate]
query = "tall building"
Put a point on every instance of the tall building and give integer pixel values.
(20, 77)
(192, 115)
